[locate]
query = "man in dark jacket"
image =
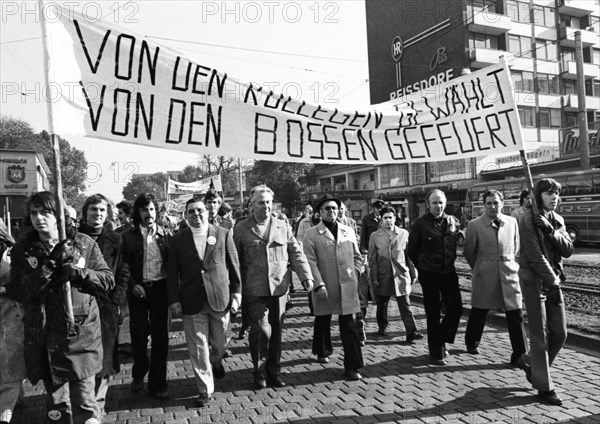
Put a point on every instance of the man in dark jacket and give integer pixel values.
(432, 249)
(124, 209)
(145, 253)
(213, 202)
(95, 212)
(369, 224)
(65, 355)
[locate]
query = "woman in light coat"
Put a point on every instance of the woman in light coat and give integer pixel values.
(392, 273)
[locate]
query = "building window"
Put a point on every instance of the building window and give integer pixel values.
(525, 47)
(325, 184)
(524, 12)
(596, 56)
(527, 115)
(451, 170)
(549, 17)
(570, 87)
(549, 118)
(518, 11)
(339, 182)
(512, 10)
(555, 118)
(517, 79)
(514, 45)
(571, 118)
(596, 89)
(393, 176)
(528, 82)
(417, 171)
(523, 82)
(519, 46)
(544, 118)
(553, 84)
(546, 50)
(483, 41)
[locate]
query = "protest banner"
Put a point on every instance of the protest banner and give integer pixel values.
(200, 186)
(126, 88)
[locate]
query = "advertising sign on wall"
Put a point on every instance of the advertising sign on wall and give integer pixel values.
(413, 46)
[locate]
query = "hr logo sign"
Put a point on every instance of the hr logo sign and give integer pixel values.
(398, 45)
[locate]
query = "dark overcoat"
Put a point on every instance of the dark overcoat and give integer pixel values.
(111, 246)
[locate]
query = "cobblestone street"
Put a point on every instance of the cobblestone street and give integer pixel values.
(399, 384)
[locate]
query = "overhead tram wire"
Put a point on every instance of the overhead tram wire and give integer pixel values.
(257, 50)
(270, 63)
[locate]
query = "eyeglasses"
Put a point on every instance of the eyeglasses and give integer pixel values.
(330, 208)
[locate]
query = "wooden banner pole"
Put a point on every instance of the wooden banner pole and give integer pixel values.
(58, 189)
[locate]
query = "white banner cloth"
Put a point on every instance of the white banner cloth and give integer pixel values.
(119, 86)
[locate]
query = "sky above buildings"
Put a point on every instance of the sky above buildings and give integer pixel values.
(314, 51)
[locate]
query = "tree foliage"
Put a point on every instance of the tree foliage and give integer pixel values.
(18, 134)
(286, 179)
(140, 183)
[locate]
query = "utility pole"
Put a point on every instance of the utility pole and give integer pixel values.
(536, 86)
(241, 184)
(584, 147)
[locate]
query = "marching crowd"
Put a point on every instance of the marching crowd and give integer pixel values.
(141, 273)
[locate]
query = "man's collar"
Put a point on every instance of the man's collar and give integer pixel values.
(436, 218)
(153, 229)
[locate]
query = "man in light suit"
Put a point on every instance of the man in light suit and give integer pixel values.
(492, 250)
(203, 281)
(266, 246)
(336, 263)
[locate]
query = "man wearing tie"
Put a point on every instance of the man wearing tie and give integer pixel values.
(492, 250)
(203, 281)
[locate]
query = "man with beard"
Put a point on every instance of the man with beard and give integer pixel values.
(145, 251)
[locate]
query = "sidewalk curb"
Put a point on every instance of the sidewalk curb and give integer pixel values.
(576, 340)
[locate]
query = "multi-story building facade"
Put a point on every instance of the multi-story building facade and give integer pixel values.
(414, 46)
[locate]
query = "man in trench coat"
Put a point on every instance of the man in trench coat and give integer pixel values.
(335, 262)
(492, 250)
